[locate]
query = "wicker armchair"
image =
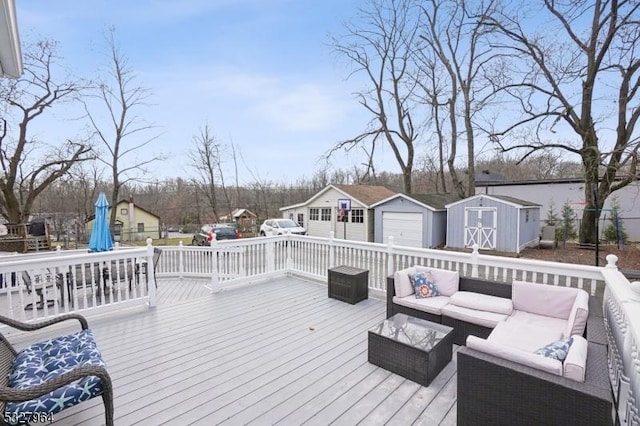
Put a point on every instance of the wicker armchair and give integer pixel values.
(27, 393)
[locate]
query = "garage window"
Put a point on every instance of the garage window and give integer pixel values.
(357, 216)
(314, 214)
(326, 215)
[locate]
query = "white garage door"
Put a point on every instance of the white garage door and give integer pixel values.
(406, 228)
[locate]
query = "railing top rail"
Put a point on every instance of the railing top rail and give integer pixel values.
(9, 264)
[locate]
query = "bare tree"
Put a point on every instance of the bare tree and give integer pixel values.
(576, 75)
(30, 165)
(381, 47)
(454, 59)
(122, 132)
(205, 160)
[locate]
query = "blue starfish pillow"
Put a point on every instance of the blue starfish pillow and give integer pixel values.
(423, 285)
(556, 350)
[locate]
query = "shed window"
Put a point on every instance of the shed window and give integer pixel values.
(326, 215)
(526, 216)
(357, 216)
(314, 214)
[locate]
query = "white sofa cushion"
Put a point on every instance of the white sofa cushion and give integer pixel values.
(516, 355)
(575, 365)
(402, 283)
(482, 302)
(543, 299)
(474, 316)
(525, 337)
(578, 316)
(446, 281)
(432, 305)
(524, 319)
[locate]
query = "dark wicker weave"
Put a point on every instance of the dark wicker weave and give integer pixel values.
(409, 361)
(494, 391)
(8, 354)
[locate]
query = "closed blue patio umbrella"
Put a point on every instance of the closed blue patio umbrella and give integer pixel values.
(101, 234)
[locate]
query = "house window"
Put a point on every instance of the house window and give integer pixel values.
(357, 216)
(124, 211)
(301, 219)
(141, 227)
(314, 214)
(326, 215)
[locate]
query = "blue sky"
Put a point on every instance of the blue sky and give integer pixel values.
(259, 72)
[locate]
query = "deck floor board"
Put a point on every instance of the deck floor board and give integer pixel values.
(272, 352)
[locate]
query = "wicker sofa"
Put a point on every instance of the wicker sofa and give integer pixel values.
(495, 390)
(461, 329)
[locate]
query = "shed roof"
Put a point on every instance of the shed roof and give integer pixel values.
(430, 201)
(516, 202)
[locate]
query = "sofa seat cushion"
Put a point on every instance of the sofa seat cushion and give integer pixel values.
(516, 355)
(522, 336)
(482, 302)
(474, 316)
(48, 360)
(523, 319)
(446, 281)
(432, 305)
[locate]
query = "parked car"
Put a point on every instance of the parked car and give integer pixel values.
(281, 227)
(222, 231)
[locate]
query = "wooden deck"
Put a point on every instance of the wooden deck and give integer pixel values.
(273, 352)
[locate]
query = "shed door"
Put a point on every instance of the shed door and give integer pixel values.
(480, 227)
(405, 228)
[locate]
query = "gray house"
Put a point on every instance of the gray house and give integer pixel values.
(417, 220)
(493, 222)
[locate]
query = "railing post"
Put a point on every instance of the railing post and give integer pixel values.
(332, 251)
(612, 261)
(180, 260)
(474, 261)
(390, 266)
(270, 247)
(289, 261)
(151, 288)
(215, 277)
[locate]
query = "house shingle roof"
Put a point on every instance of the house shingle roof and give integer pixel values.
(437, 201)
(366, 194)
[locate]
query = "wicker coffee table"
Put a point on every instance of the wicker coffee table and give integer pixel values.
(413, 348)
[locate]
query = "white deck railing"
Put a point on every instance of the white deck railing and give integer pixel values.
(241, 260)
(622, 324)
(45, 284)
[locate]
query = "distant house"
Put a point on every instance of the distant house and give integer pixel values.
(245, 219)
(416, 220)
(493, 222)
(133, 223)
(571, 190)
(344, 209)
